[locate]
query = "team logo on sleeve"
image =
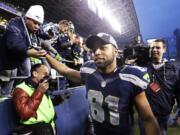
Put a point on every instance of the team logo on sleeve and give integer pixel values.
(146, 77)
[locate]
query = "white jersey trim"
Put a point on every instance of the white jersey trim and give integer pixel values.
(134, 79)
(87, 70)
(143, 69)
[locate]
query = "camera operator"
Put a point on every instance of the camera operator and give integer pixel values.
(164, 84)
(33, 105)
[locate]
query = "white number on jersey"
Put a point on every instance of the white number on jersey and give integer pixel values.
(96, 100)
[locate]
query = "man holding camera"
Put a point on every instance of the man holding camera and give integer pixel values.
(33, 105)
(164, 84)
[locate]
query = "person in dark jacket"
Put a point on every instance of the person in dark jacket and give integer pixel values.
(16, 46)
(18, 38)
(164, 84)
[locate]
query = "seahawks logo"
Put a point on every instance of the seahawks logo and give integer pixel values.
(146, 77)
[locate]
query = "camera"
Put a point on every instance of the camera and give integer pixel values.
(46, 78)
(52, 82)
(139, 52)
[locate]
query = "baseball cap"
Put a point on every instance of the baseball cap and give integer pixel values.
(36, 13)
(100, 39)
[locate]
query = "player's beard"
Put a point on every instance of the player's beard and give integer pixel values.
(106, 63)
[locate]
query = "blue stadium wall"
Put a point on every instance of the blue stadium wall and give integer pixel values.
(71, 114)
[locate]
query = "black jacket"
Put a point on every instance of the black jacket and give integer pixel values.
(167, 78)
(14, 44)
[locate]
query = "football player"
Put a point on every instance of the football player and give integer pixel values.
(112, 91)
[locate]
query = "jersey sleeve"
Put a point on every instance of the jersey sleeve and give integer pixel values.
(86, 69)
(137, 76)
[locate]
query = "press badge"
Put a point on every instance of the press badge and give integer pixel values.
(155, 87)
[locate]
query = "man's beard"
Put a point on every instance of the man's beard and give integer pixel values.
(104, 65)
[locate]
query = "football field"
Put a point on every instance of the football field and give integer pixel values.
(175, 130)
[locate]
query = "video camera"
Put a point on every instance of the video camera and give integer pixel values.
(139, 52)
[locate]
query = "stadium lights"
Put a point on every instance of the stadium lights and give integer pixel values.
(103, 11)
(149, 41)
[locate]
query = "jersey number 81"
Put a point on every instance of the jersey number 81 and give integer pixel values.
(97, 100)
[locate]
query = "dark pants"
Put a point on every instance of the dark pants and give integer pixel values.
(34, 129)
(6, 85)
(101, 130)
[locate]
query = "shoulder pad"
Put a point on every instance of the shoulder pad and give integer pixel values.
(88, 67)
(136, 75)
(142, 69)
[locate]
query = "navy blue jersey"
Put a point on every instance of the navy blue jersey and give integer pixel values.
(111, 97)
(64, 50)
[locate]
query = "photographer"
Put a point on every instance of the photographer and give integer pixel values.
(33, 105)
(164, 84)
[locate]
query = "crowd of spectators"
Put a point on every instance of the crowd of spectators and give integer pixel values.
(28, 38)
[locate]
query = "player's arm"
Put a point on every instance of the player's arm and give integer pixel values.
(149, 121)
(70, 73)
